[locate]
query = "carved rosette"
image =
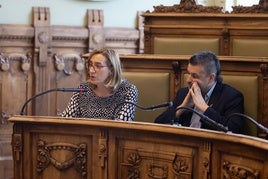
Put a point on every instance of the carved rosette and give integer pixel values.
(236, 171)
(78, 160)
(43, 37)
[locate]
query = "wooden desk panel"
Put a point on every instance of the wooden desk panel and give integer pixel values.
(119, 150)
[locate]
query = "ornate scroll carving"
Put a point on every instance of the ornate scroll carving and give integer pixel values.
(44, 157)
(66, 62)
(25, 59)
(5, 64)
(188, 6)
(260, 8)
(236, 171)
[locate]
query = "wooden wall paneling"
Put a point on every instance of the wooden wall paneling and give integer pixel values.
(145, 63)
(68, 71)
(146, 158)
(155, 80)
(55, 154)
(190, 20)
(16, 83)
(28, 66)
(66, 65)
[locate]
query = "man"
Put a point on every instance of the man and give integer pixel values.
(206, 94)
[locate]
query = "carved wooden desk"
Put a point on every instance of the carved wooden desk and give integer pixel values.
(51, 147)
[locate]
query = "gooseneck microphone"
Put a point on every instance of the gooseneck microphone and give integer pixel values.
(206, 119)
(151, 108)
(250, 119)
(51, 90)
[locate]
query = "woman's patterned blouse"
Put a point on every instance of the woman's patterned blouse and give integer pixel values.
(119, 106)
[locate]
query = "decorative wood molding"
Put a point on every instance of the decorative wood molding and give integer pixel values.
(264, 71)
(262, 7)
(188, 6)
(134, 161)
(156, 151)
(238, 171)
(182, 164)
(25, 61)
(45, 158)
(69, 62)
(17, 146)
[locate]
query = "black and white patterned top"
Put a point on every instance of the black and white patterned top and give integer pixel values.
(88, 105)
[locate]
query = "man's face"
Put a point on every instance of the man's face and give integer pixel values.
(198, 74)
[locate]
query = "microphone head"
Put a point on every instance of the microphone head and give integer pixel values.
(170, 104)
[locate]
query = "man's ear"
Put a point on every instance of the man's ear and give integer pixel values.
(212, 77)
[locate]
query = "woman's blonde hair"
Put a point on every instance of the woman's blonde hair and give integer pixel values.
(114, 63)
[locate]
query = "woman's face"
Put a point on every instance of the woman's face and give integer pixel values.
(98, 70)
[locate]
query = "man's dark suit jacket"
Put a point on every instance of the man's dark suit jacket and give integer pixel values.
(224, 100)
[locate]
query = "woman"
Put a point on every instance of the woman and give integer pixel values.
(108, 93)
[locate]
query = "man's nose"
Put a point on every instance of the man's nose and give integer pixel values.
(189, 79)
(92, 69)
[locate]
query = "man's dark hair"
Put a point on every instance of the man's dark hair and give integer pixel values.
(210, 62)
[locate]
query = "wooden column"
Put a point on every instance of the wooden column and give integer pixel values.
(42, 40)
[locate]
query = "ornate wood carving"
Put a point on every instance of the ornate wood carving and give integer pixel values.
(42, 33)
(260, 8)
(78, 160)
(25, 61)
(17, 146)
(182, 166)
(134, 150)
(69, 62)
(163, 169)
(103, 151)
(134, 162)
(237, 171)
(188, 6)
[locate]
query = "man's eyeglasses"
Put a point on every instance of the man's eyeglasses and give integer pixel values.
(97, 66)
